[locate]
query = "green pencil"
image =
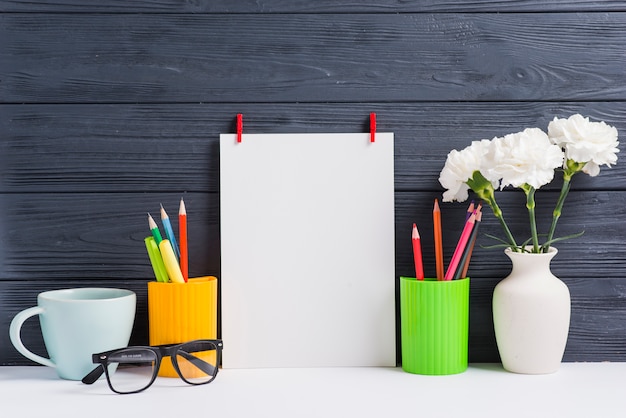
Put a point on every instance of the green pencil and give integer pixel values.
(156, 260)
(155, 230)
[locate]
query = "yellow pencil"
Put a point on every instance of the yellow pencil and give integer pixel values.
(169, 259)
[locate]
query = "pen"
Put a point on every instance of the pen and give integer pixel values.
(154, 229)
(169, 232)
(182, 234)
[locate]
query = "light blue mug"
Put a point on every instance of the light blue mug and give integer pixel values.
(77, 323)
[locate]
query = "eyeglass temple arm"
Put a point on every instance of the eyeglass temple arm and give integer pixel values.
(93, 375)
(208, 368)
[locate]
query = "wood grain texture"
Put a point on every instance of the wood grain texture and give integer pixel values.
(100, 235)
(72, 239)
(305, 6)
(598, 253)
(108, 109)
(163, 58)
(155, 148)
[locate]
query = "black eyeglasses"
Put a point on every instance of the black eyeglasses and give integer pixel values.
(133, 369)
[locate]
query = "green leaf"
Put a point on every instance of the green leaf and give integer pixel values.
(552, 241)
(498, 239)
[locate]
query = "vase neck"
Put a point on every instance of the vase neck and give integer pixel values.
(530, 262)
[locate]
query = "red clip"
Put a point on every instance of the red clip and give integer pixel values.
(372, 127)
(239, 126)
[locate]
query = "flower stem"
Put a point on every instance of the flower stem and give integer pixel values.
(491, 199)
(567, 178)
(571, 167)
(530, 205)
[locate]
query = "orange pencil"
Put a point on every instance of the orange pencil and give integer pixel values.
(417, 254)
(182, 235)
(438, 240)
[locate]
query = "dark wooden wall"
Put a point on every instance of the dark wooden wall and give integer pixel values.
(109, 108)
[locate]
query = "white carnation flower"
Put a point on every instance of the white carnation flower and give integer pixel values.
(460, 167)
(593, 143)
(527, 160)
(526, 157)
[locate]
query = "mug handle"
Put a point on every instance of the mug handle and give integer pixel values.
(14, 333)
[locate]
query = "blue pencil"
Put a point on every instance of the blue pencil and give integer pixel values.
(169, 232)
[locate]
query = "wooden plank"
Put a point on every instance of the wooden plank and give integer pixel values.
(70, 240)
(97, 236)
(160, 58)
(158, 148)
(597, 329)
(598, 253)
(305, 6)
(164, 78)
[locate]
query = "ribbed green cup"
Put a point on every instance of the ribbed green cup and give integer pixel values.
(434, 319)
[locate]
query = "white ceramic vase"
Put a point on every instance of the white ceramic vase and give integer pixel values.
(531, 315)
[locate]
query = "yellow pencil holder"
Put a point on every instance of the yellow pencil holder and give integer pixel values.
(181, 312)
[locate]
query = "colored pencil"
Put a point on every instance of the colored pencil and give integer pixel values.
(169, 232)
(467, 254)
(460, 246)
(156, 260)
(470, 210)
(417, 254)
(182, 235)
(438, 240)
(155, 230)
(171, 264)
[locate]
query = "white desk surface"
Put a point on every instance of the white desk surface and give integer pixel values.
(484, 390)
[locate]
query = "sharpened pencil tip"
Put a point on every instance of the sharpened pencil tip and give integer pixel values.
(415, 234)
(151, 222)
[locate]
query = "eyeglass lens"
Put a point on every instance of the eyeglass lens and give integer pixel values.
(131, 369)
(197, 361)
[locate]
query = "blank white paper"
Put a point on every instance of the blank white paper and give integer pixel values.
(307, 250)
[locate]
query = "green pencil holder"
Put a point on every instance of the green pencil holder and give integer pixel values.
(434, 318)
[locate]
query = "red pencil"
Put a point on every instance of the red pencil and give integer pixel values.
(182, 236)
(417, 254)
(460, 247)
